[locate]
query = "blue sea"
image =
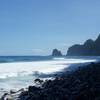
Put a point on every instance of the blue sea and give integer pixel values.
(20, 71)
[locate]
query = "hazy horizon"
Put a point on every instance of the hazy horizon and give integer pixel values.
(35, 27)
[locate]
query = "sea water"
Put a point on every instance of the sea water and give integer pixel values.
(18, 72)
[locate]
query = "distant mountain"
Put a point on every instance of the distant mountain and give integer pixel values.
(56, 52)
(89, 48)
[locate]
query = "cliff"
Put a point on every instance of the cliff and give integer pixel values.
(89, 48)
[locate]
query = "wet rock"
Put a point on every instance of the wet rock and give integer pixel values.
(33, 89)
(13, 91)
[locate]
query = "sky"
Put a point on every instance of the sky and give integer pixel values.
(35, 27)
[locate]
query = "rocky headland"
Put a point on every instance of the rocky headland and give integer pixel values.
(89, 48)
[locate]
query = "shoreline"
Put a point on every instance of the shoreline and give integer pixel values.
(64, 78)
(81, 84)
(19, 74)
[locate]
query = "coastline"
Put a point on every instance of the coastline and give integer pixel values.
(74, 81)
(81, 84)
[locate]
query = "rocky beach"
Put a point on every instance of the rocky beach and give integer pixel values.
(80, 84)
(49, 49)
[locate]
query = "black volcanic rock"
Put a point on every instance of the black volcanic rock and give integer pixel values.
(81, 84)
(89, 48)
(75, 48)
(97, 41)
(56, 52)
(89, 42)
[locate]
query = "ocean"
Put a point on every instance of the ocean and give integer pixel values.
(18, 72)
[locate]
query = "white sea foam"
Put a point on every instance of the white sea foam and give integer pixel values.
(58, 58)
(20, 74)
(27, 68)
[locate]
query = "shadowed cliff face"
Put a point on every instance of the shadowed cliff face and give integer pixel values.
(89, 48)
